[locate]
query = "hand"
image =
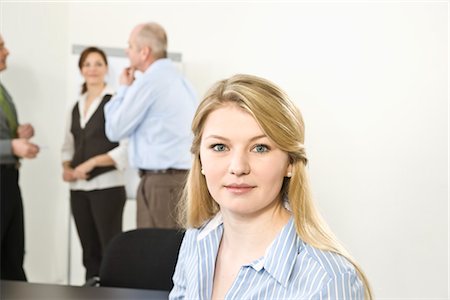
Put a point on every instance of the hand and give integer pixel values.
(25, 131)
(127, 76)
(23, 148)
(82, 170)
(68, 175)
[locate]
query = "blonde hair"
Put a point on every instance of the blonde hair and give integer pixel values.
(282, 122)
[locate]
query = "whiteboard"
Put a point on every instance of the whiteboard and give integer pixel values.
(117, 61)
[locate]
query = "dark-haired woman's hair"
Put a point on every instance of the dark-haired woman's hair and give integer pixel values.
(83, 57)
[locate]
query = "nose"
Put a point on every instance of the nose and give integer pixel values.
(239, 164)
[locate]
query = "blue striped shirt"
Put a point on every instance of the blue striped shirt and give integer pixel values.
(290, 269)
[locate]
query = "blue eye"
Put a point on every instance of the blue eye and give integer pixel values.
(219, 147)
(261, 148)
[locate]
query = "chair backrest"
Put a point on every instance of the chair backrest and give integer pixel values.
(142, 258)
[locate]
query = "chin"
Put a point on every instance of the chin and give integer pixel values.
(94, 82)
(242, 211)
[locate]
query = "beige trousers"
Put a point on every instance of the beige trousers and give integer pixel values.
(157, 198)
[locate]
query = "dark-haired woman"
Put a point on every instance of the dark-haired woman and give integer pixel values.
(93, 165)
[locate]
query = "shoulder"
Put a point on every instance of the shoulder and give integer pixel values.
(189, 240)
(108, 90)
(107, 93)
(6, 93)
(210, 230)
(163, 71)
(331, 263)
(74, 107)
(191, 234)
(338, 274)
(187, 253)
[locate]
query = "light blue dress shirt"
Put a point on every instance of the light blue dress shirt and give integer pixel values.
(290, 269)
(156, 113)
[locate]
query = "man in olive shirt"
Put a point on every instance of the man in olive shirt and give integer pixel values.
(14, 144)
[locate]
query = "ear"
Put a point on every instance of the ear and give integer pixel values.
(146, 52)
(289, 171)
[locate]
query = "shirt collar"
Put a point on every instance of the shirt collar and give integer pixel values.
(215, 222)
(279, 258)
(281, 255)
(107, 90)
(157, 64)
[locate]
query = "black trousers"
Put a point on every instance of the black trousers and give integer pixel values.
(98, 218)
(12, 225)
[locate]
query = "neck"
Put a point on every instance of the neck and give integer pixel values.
(147, 64)
(94, 90)
(251, 236)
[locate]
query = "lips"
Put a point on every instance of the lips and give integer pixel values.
(239, 188)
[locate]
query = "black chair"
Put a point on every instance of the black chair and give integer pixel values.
(142, 258)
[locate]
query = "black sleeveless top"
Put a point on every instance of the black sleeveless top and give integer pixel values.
(91, 140)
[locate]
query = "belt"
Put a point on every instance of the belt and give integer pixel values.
(143, 172)
(11, 166)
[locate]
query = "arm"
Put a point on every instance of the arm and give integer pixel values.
(5, 149)
(126, 110)
(67, 151)
(68, 174)
(179, 279)
(25, 131)
(19, 147)
(116, 157)
(120, 155)
(343, 286)
(23, 148)
(102, 160)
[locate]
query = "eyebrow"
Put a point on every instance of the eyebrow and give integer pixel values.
(214, 136)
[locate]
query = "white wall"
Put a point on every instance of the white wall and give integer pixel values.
(36, 35)
(370, 78)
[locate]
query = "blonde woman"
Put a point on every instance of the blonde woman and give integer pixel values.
(252, 228)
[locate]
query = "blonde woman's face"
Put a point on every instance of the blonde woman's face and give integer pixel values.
(94, 69)
(244, 169)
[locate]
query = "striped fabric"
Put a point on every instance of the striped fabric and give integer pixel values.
(290, 269)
